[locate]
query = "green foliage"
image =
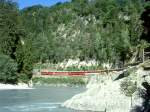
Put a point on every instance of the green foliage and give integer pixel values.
(128, 87)
(25, 58)
(75, 68)
(84, 29)
(23, 78)
(104, 30)
(8, 70)
(59, 80)
(10, 31)
(12, 37)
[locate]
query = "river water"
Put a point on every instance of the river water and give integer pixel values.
(41, 99)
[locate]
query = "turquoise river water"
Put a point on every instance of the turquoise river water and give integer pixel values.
(40, 99)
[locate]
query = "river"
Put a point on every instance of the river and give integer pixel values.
(40, 99)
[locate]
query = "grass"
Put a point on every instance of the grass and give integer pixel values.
(68, 80)
(52, 67)
(82, 68)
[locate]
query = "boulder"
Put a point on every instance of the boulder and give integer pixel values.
(105, 94)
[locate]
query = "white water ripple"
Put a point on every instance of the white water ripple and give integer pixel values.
(34, 107)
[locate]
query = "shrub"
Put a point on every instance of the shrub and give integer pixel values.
(128, 87)
(23, 78)
(60, 80)
(8, 70)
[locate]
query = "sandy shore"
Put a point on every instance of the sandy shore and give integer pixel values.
(18, 86)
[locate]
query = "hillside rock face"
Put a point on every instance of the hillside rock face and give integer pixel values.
(105, 94)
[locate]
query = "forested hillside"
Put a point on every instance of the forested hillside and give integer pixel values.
(104, 30)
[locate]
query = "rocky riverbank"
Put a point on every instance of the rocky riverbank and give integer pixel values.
(112, 92)
(10, 86)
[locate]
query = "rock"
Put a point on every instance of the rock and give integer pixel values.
(146, 65)
(10, 86)
(100, 98)
(104, 93)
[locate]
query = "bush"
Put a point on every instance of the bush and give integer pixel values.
(23, 78)
(128, 87)
(8, 70)
(60, 80)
